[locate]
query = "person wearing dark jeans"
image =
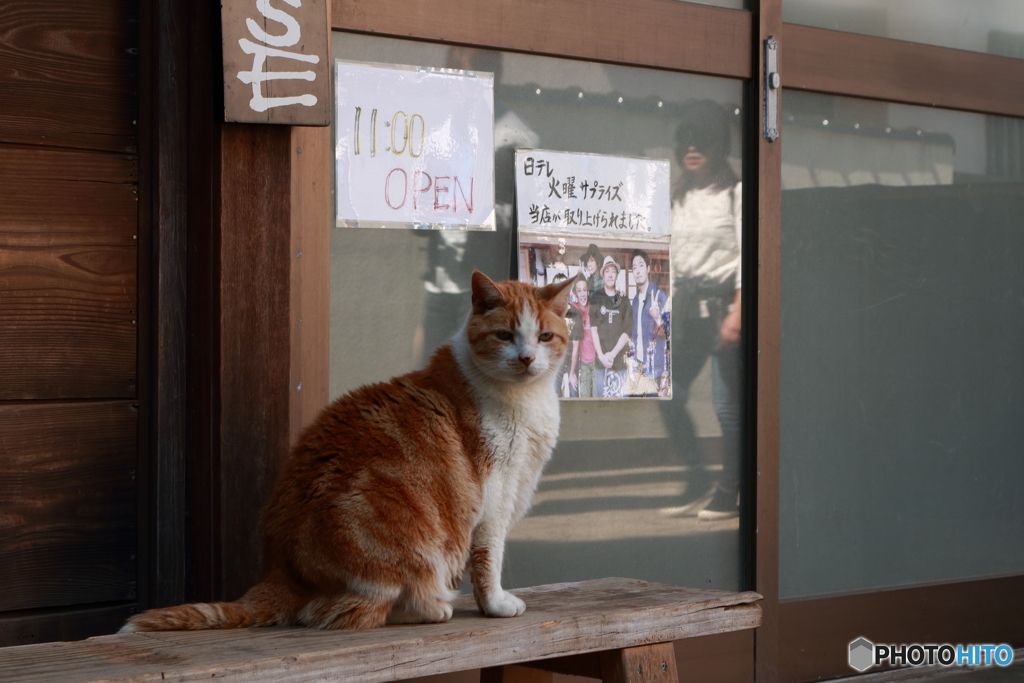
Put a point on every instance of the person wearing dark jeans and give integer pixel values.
(706, 225)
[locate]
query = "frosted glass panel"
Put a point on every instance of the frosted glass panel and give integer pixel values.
(902, 329)
(623, 493)
(993, 26)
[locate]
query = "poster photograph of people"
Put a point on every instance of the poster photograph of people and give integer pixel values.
(619, 314)
(606, 220)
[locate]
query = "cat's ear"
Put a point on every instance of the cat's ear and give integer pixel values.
(557, 294)
(485, 294)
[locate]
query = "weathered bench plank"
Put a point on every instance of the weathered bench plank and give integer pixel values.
(561, 619)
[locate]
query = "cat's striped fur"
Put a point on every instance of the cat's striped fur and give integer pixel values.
(398, 486)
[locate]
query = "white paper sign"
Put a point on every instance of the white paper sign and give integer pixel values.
(414, 146)
(566, 192)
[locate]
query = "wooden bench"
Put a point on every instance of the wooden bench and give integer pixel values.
(616, 629)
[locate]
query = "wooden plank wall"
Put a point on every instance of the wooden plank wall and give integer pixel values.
(68, 317)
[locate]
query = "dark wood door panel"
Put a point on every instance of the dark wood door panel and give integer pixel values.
(73, 624)
(67, 503)
(817, 632)
(55, 196)
(67, 73)
(67, 322)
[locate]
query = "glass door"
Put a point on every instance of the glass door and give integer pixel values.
(899, 520)
(645, 488)
(652, 488)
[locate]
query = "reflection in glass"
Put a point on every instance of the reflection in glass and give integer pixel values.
(707, 236)
(621, 495)
(902, 379)
(992, 26)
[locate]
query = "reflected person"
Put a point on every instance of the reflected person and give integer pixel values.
(706, 229)
(452, 254)
(611, 316)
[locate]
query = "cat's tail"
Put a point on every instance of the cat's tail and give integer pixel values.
(266, 604)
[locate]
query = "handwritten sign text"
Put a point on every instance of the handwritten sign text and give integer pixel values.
(414, 147)
(590, 193)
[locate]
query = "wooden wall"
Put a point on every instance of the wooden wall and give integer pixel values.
(69, 318)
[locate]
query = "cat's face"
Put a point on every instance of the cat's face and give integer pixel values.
(517, 332)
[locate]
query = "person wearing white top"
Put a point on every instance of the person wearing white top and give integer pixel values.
(706, 224)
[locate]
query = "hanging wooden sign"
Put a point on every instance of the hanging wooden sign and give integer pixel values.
(276, 62)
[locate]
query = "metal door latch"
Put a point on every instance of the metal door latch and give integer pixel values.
(772, 82)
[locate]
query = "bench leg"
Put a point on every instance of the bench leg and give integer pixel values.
(514, 674)
(644, 664)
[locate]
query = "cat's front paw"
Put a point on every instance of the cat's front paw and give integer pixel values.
(506, 605)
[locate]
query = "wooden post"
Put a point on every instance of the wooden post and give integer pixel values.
(644, 664)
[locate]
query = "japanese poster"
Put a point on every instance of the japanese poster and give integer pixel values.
(414, 147)
(606, 218)
(592, 193)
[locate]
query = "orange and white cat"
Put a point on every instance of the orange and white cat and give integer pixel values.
(398, 486)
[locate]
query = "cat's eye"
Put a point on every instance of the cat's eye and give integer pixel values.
(503, 335)
(545, 336)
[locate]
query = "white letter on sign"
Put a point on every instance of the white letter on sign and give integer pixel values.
(260, 53)
(291, 35)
